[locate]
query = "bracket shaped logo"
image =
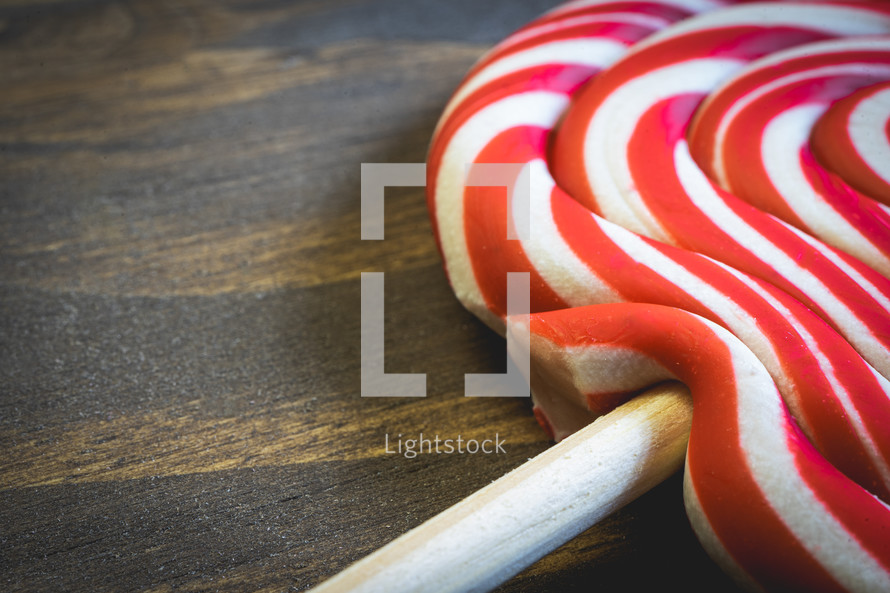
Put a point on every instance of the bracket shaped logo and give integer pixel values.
(375, 381)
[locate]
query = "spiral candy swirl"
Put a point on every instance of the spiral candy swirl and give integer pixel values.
(708, 203)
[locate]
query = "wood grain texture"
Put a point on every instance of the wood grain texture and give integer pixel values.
(179, 301)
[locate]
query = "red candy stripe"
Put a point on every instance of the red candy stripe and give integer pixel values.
(848, 140)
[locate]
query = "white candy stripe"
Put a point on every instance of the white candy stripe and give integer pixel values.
(846, 268)
(867, 127)
(552, 256)
(688, 5)
(832, 19)
(590, 53)
(868, 38)
(782, 141)
(538, 109)
(532, 31)
(608, 170)
(711, 541)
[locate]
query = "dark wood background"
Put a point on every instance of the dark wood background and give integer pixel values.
(179, 302)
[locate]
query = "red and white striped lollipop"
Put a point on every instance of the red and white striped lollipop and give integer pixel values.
(816, 318)
(697, 171)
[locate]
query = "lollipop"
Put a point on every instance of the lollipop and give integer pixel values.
(667, 154)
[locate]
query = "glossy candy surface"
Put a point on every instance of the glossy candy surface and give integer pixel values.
(708, 189)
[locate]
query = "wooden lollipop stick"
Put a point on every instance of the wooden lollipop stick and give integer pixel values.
(498, 531)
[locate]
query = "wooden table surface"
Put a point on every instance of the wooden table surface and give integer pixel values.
(180, 258)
